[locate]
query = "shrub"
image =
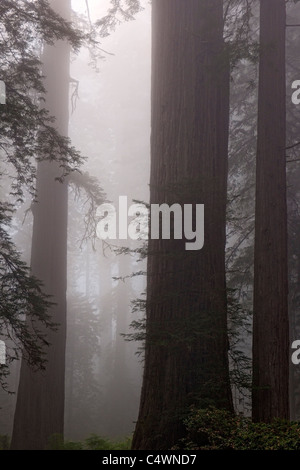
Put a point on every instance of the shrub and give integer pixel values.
(4, 443)
(213, 429)
(94, 442)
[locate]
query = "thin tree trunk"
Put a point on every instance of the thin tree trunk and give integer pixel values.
(186, 356)
(270, 321)
(40, 403)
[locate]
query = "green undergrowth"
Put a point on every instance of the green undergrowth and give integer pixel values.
(93, 442)
(213, 429)
(4, 442)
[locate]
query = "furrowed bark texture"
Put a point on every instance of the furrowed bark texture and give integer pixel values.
(40, 404)
(186, 356)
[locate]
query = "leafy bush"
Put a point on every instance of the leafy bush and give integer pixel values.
(212, 429)
(279, 435)
(4, 442)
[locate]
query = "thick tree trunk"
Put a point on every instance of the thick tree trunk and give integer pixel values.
(186, 357)
(119, 393)
(40, 403)
(270, 321)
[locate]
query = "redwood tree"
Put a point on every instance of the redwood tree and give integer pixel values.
(270, 321)
(186, 360)
(40, 403)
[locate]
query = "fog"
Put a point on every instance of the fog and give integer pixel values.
(111, 125)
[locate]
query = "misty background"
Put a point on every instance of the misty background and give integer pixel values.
(110, 125)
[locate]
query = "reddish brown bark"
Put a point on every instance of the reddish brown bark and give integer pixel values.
(270, 322)
(40, 403)
(186, 358)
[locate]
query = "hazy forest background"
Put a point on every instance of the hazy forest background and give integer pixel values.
(110, 124)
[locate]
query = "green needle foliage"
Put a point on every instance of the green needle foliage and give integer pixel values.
(27, 134)
(119, 11)
(21, 294)
(26, 128)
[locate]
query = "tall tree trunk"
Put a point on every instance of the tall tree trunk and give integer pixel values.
(270, 321)
(40, 403)
(186, 356)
